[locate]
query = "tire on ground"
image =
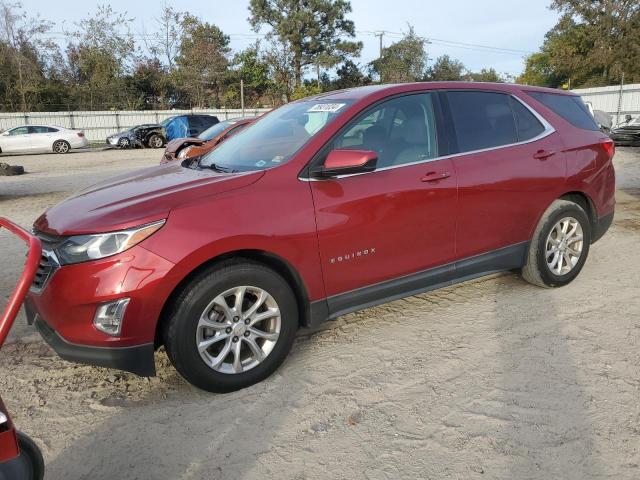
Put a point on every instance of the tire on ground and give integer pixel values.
(183, 314)
(155, 141)
(7, 170)
(536, 269)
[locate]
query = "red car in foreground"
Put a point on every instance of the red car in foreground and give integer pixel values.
(324, 206)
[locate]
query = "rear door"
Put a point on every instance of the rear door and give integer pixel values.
(40, 138)
(509, 168)
(395, 221)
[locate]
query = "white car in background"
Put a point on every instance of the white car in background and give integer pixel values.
(41, 138)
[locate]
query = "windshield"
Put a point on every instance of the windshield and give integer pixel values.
(215, 130)
(275, 138)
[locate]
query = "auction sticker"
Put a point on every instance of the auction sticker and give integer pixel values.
(326, 107)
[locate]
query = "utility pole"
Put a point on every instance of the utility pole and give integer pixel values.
(242, 96)
(380, 35)
(620, 99)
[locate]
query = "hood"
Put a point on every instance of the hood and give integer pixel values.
(137, 198)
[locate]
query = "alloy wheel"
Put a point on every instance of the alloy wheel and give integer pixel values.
(61, 147)
(564, 246)
(238, 329)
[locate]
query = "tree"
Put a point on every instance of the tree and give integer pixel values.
(311, 31)
(446, 68)
(25, 57)
(202, 62)
(592, 44)
(349, 76)
(402, 61)
(485, 75)
(100, 53)
(253, 69)
(164, 43)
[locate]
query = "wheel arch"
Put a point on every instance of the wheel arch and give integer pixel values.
(586, 203)
(271, 260)
(578, 197)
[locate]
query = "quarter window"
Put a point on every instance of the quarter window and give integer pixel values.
(527, 124)
(569, 107)
(401, 130)
(482, 120)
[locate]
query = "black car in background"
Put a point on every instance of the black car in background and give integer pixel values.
(157, 135)
(627, 133)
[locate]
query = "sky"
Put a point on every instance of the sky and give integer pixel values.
(458, 28)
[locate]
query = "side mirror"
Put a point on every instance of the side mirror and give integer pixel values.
(345, 162)
(627, 118)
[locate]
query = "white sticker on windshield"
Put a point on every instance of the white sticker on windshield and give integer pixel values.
(326, 107)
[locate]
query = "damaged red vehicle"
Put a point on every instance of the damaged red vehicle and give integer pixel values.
(20, 457)
(182, 148)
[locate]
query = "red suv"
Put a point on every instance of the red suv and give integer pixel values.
(322, 207)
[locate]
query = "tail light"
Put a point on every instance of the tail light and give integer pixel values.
(81, 134)
(609, 147)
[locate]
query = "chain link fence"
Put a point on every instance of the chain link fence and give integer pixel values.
(97, 125)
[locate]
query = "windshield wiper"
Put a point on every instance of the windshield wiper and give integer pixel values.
(219, 168)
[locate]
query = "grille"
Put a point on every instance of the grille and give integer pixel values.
(46, 267)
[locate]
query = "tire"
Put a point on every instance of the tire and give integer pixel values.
(214, 368)
(155, 141)
(10, 170)
(540, 268)
(61, 146)
(124, 142)
(29, 465)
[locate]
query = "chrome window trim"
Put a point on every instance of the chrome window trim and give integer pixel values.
(548, 130)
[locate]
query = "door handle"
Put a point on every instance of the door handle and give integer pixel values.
(543, 154)
(435, 176)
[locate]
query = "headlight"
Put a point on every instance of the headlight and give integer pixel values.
(82, 248)
(184, 152)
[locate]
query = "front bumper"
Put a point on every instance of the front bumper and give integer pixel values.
(64, 302)
(136, 359)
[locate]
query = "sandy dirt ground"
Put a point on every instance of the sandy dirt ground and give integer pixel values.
(493, 378)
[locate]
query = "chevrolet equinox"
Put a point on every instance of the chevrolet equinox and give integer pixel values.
(323, 206)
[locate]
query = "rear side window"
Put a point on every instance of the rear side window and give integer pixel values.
(52, 130)
(569, 107)
(527, 125)
(482, 120)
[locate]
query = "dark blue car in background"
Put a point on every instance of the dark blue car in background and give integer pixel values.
(157, 135)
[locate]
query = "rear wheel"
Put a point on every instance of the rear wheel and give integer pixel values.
(29, 465)
(232, 326)
(559, 247)
(61, 146)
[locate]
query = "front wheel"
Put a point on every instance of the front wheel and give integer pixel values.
(61, 146)
(559, 246)
(155, 141)
(29, 465)
(232, 326)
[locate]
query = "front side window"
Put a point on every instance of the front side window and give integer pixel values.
(482, 120)
(275, 137)
(401, 131)
(19, 131)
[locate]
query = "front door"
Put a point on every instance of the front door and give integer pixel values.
(399, 219)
